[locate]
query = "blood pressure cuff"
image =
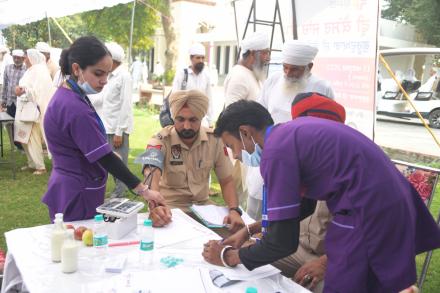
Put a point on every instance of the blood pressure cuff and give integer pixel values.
(151, 157)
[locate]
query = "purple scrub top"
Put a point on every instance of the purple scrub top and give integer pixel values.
(76, 141)
(379, 221)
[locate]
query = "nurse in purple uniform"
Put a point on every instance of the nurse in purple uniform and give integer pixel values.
(76, 137)
(379, 221)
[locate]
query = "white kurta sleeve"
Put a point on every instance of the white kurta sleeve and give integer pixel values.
(124, 119)
(178, 79)
(236, 90)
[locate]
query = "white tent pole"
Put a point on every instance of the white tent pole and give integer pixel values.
(131, 33)
(48, 30)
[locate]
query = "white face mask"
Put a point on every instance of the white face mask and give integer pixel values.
(86, 87)
(254, 159)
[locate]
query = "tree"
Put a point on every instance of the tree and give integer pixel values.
(113, 24)
(423, 14)
(108, 24)
(164, 7)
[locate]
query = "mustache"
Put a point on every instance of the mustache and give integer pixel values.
(187, 133)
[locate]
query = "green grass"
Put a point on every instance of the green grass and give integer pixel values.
(20, 199)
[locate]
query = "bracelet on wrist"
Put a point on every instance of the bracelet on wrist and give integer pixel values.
(222, 255)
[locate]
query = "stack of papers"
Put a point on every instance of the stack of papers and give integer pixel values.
(212, 216)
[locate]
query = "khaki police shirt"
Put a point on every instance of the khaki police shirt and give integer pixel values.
(185, 178)
(314, 228)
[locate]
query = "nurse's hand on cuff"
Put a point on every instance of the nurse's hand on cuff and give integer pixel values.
(153, 197)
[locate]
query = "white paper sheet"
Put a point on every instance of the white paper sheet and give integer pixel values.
(241, 273)
(213, 214)
(170, 280)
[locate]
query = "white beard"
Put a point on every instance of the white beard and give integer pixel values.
(292, 86)
(260, 73)
(260, 70)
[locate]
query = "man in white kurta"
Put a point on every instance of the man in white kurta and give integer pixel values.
(117, 113)
(280, 89)
(244, 82)
(277, 96)
(198, 79)
(246, 77)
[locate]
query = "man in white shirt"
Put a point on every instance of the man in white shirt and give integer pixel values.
(44, 48)
(197, 79)
(281, 88)
(244, 82)
(117, 114)
(246, 77)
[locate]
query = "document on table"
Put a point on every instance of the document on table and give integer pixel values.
(181, 228)
(241, 273)
(168, 280)
(212, 216)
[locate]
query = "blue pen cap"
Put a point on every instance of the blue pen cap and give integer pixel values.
(251, 290)
(99, 218)
(148, 223)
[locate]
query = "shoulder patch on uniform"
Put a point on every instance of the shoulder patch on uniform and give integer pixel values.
(163, 133)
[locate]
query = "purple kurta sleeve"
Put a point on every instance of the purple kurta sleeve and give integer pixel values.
(87, 135)
(280, 170)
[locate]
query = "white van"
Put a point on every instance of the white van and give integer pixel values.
(415, 69)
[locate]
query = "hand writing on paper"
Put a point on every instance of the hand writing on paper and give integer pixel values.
(160, 215)
(234, 220)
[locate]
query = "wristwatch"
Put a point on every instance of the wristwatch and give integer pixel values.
(237, 209)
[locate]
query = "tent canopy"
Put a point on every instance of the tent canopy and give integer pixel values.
(26, 11)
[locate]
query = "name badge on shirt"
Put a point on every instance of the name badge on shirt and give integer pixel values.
(176, 155)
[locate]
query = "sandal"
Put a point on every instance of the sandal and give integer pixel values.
(39, 172)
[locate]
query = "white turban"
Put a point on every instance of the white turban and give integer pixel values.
(35, 57)
(298, 53)
(43, 47)
(116, 51)
(197, 49)
(18, 53)
(3, 49)
(255, 42)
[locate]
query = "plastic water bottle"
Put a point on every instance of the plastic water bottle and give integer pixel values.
(57, 238)
(100, 237)
(146, 243)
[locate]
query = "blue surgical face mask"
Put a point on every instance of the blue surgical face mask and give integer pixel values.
(254, 159)
(86, 87)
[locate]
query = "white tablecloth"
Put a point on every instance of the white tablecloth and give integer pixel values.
(29, 267)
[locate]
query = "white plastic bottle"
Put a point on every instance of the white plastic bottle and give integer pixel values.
(146, 243)
(100, 237)
(57, 237)
(69, 253)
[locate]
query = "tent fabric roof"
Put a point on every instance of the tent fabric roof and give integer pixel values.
(26, 11)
